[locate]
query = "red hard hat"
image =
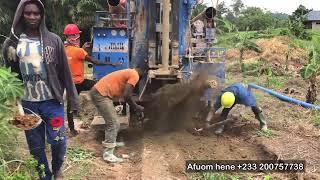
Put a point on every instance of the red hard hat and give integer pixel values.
(71, 29)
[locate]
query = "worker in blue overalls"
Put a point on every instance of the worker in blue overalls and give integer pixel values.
(229, 97)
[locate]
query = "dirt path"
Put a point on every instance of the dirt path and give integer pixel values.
(163, 157)
(153, 156)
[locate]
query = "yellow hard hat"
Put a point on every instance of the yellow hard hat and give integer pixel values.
(227, 99)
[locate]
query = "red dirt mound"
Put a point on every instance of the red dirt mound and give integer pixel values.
(274, 50)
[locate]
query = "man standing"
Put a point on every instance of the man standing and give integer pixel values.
(38, 56)
(232, 95)
(114, 85)
(76, 57)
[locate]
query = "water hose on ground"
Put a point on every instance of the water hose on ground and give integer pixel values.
(283, 97)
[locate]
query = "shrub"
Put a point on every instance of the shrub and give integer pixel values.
(11, 167)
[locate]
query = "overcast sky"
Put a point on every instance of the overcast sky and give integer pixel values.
(284, 6)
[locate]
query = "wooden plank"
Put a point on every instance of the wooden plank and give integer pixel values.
(99, 123)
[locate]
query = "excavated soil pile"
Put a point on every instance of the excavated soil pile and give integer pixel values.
(234, 54)
(25, 122)
(274, 50)
(173, 106)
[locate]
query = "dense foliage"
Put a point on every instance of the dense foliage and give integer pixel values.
(250, 18)
(296, 24)
(58, 14)
(310, 71)
(11, 167)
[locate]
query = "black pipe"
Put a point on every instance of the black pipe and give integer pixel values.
(113, 2)
(210, 12)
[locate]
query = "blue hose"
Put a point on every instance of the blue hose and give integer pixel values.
(284, 98)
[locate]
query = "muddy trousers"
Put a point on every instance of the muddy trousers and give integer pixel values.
(51, 129)
(107, 111)
(255, 109)
(86, 85)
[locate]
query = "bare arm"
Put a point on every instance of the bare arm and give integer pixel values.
(96, 62)
(128, 98)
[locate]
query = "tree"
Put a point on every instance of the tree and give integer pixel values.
(7, 10)
(63, 12)
(296, 20)
(280, 20)
(226, 26)
(309, 71)
(230, 17)
(198, 9)
(221, 10)
(237, 6)
(254, 18)
(299, 13)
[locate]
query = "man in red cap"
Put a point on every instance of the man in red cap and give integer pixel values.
(76, 57)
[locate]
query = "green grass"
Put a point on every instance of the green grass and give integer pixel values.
(275, 82)
(78, 154)
(253, 69)
(81, 171)
(304, 44)
(267, 177)
(78, 164)
(316, 120)
(215, 176)
(314, 32)
(253, 79)
(259, 95)
(268, 133)
(226, 40)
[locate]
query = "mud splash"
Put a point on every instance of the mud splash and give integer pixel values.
(174, 106)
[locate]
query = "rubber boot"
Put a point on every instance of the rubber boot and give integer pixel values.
(263, 123)
(259, 116)
(120, 144)
(110, 157)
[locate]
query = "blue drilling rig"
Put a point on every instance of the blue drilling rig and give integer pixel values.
(161, 37)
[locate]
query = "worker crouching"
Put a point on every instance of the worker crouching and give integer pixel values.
(232, 95)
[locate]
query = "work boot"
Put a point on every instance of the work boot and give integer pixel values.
(259, 116)
(110, 157)
(58, 175)
(120, 144)
(263, 123)
(219, 130)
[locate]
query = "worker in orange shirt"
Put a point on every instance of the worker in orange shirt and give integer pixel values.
(76, 57)
(118, 84)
